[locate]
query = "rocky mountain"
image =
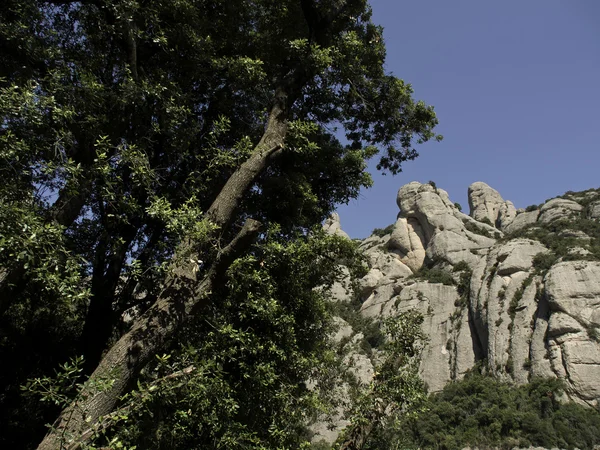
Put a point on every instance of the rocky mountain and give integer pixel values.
(517, 291)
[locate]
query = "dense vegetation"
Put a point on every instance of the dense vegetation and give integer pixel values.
(483, 412)
(165, 168)
(561, 237)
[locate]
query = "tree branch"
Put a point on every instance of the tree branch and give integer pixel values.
(178, 302)
(107, 421)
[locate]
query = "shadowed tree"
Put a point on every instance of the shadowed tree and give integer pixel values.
(145, 145)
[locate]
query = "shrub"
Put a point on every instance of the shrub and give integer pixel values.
(435, 276)
(481, 411)
(381, 232)
(461, 266)
(474, 228)
(543, 261)
(487, 221)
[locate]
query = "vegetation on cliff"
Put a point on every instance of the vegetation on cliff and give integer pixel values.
(484, 412)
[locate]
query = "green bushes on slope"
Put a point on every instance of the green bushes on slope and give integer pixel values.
(485, 412)
(381, 232)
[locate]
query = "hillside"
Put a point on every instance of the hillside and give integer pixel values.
(515, 292)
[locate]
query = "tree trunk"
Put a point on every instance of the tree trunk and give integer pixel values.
(221, 212)
(181, 299)
(100, 318)
(358, 435)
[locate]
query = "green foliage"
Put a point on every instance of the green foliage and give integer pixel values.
(487, 221)
(518, 295)
(237, 376)
(458, 206)
(435, 276)
(481, 411)
(461, 266)
(121, 123)
(380, 232)
(555, 235)
(531, 208)
(463, 286)
(373, 336)
(396, 390)
(542, 262)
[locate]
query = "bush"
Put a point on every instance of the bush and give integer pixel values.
(435, 276)
(481, 411)
(487, 221)
(474, 228)
(543, 261)
(381, 232)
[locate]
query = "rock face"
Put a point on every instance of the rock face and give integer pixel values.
(430, 226)
(517, 291)
(332, 226)
(573, 295)
(486, 204)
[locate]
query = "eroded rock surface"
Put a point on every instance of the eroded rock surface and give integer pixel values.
(521, 295)
(487, 204)
(332, 226)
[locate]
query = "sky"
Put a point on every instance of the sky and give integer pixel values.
(516, 88)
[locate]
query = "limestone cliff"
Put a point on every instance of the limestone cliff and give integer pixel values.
(517, 291)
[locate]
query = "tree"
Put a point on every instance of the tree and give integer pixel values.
(148, 145)
(396, 389)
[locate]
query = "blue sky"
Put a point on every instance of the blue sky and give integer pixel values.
(515, 85)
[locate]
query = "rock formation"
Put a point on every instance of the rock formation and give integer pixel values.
(520, 291)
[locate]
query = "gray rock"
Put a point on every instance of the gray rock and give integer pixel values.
(436, 302)
(558, 208)
(574, 288)
(392, 267)
(486, 203)
(503, 307)
(573, 291)
(378, 303)
(332, 226)
(408, 240)
(343, 330)
(506, 215)
(574, 234)
(522, 220)
(369, 282)
(430, 225)
(523, 324)
(341, 290)
(594, 210)
(517, 255)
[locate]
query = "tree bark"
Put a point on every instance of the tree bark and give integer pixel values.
(221, 212)
(100, 318)
(358, 436)
(183, 296)
(180, 300)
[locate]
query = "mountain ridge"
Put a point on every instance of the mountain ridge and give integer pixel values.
(514, 290)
